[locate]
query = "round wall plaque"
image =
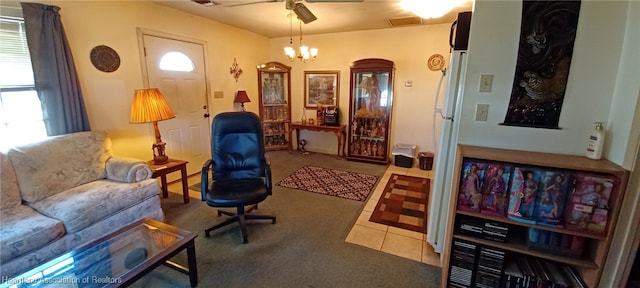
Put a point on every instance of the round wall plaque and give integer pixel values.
(104, 58)
(435, 62)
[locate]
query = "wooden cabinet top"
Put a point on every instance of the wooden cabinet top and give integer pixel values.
(562, 161)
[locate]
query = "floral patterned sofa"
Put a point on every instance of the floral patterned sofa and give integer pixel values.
(65, 191)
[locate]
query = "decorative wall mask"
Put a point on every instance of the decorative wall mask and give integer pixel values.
(547, 35)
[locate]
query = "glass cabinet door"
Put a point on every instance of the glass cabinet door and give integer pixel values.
(370, 110)
(274, 90)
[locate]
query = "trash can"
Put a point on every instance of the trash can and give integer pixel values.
(425, 160)
(403, 155)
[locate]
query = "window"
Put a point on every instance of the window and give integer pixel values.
(176, 61)
(21, 117)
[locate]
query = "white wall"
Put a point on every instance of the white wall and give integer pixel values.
(408, 47)
(603, 85)
(626, 95)
(622, 109)
(591, 87)
(108, 96)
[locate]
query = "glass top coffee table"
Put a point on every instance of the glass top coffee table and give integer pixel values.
(115, 260)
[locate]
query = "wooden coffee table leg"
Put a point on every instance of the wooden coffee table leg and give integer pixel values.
(191, 259)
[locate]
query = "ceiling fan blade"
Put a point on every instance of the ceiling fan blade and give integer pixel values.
(304, 13)
(316, 1)
(254, 2)
(206, 2)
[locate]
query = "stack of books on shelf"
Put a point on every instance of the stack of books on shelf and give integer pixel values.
(462, 264)
(496, 231)
(489, 270)
(529, 272)
(483, 228)
(555, 243)
(471, 226)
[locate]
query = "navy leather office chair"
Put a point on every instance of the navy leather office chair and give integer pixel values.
(240, 174)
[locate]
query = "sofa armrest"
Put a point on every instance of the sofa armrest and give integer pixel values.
(127, 170)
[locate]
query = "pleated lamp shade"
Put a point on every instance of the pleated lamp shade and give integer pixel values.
(148, 106)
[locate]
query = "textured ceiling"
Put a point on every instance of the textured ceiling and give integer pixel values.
(270, 19)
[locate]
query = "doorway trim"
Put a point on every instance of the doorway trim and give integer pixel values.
(141, 32)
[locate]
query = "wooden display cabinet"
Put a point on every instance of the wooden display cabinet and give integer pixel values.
(591, 263)
(274, 90)
(371, 98)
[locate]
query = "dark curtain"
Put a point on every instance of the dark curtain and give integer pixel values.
(55, 75)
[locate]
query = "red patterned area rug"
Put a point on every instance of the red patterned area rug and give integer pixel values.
(338, 183)
(403, 203)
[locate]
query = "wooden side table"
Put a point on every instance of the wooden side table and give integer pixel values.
(340, 132)
(163, 169)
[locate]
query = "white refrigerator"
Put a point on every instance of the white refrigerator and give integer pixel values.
(446, 150)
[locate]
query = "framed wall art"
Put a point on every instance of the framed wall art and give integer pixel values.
(543, 64)
(321, 87)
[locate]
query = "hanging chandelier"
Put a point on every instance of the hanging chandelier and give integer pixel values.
(304, 53)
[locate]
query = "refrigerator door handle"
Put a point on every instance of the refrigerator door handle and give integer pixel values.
(453, 28)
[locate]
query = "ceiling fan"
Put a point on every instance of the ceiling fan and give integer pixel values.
(301, 11)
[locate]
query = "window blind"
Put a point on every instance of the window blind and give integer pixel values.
(15, 62)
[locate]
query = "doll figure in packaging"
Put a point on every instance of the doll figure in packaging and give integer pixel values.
(494, 190)
(470, 196)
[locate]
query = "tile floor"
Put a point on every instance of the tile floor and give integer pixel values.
(400, 242)
(388, 239)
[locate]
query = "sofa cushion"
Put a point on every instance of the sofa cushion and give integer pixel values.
(25, 230)
(59, 163)
(82, 206)
(9, 190)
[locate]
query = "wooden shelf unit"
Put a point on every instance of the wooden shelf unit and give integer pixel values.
(274, 91)
(590, 266)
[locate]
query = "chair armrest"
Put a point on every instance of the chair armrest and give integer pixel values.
(267, 178)
(204, 178)
(128, 170)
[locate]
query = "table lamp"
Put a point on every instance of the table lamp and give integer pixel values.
(149, 106)
(241, 97)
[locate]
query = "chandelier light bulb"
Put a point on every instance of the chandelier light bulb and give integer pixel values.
(314, 52)
(290, 52)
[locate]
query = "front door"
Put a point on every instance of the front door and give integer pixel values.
(177, 68)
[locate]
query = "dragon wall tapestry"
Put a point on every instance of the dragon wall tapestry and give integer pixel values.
(547, 34)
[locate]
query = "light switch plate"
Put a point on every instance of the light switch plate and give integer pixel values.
(218, 94)
(486, 81)
(482, 112)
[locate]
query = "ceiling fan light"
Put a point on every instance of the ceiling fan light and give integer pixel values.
(429, 8)
(289, 52)
(304, 49)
